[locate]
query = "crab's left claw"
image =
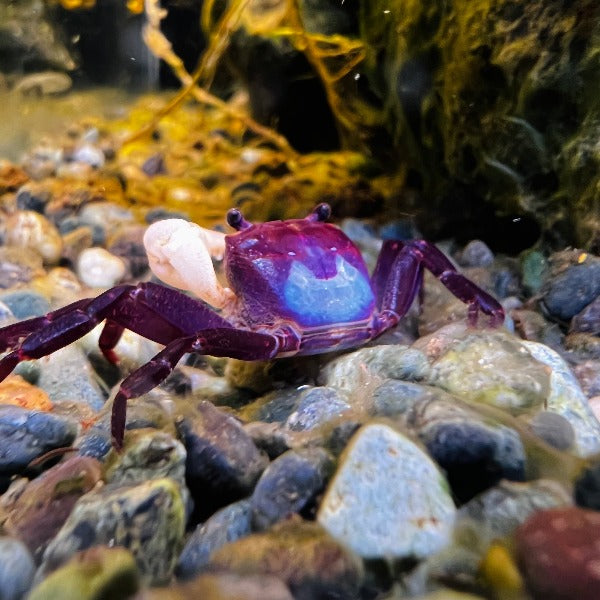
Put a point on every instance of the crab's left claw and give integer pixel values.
(179, 253)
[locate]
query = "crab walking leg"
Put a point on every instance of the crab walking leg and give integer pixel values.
(158, 313)
(12, 335)
(240, 344)
(404, 262)
(396, 279)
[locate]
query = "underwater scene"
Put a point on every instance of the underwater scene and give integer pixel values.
(299, 299)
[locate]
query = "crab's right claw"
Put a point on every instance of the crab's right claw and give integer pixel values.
(179, 253)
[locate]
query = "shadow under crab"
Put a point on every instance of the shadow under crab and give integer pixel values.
(297, 287)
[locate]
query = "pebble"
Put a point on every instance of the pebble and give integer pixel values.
(588, 319)
(223, 464)
(148, 519)
(147, 454)
(98, 268)
(66, 375)
(534, 266)
(387, 498)
(499, 510)
(301, 554)
(588, 376)
(587, 487)
(228, 524)
(19, 392)
(19, 265)
(559, 555)
(24, 304)
(290, 484)
(89, 154)
(492, 367)
(351, 372)
(127, 244)
(26, 435)
(29, 229)
(475, 254)
(566, 398)
(99, 573)
(316, 407)
(474, 452)
(16, 569)
(572, 283)
(43, 505)
(554, 429)
(223, 586)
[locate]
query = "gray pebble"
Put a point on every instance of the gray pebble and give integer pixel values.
(289, 485)
(25, 304)
(226, 525)
(315, 407)
(569, 289)
(16, 569)
(25, 435)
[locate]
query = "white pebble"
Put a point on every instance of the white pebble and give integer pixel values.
(29, 229)
(97, 267)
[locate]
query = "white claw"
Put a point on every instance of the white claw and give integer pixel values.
(180, 254)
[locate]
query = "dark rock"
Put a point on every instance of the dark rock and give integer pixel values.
(226, 525)
(290, 485)
(95, 442)
(588, 319)
(127, 244)
(25, 435)
(588, 375)
(271, 438)
(16, 569)
(558, 553)
(44, 504)
(154, 165)
(587, 487)
(223, 463)
(299, 553)
(573, 283)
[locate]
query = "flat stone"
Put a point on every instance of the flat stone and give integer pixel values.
(387, 499)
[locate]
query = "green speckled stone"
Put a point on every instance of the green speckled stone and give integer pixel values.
(100, 573)
(148, 519)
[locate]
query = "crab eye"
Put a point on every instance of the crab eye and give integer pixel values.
(322, 212)
(236, 220)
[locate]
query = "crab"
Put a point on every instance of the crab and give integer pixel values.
(295, 287)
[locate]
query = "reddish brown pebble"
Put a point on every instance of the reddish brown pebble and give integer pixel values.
(559, 553)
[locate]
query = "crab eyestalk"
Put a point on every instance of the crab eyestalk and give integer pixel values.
(236, 220)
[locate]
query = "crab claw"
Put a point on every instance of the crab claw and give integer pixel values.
(179, 253)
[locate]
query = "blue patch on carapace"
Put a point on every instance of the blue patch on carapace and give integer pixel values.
(343, 298)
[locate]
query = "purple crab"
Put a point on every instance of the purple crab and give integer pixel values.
(296, 287)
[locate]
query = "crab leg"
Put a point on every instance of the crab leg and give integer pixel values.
(405, 261)
(240, 344)
(158, 313)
